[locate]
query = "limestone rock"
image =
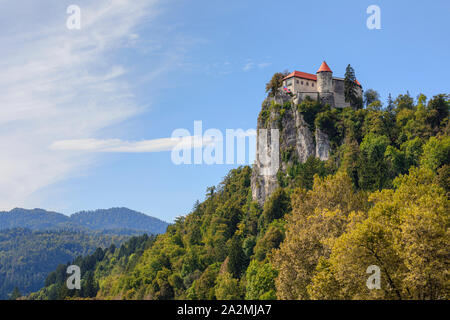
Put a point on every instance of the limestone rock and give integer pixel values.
(296, 140)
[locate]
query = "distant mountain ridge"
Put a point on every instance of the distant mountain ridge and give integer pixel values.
(100, 220)
(34, 242)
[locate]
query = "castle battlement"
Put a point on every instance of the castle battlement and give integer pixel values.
(320, 86)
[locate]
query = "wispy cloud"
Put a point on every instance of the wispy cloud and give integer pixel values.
(264, 65)
(60, 84)
(175, 142)
(248, 66)
(118, 145)
(252, 65)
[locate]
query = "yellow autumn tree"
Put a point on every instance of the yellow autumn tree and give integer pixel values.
(318, 217)
(406, 234)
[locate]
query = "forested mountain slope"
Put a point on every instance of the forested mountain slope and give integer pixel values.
(118, 218)
(381, 198)
(27, 257)
(110, 261)
(34, 242)
(35, 219)
(114, 219)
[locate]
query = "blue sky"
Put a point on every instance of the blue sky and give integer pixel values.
(138, 70)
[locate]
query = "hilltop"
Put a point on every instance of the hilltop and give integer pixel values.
(119, 220)
(357, 186)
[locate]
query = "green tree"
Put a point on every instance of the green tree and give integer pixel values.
(195, 235)
(275, 83)
(227, 287)
(15, 294)
(350, 88)
(203, 287)
(390, 104)
(436, 153)
(270, 240)
(412, 150)
(372, 169)
(260, 281)
(438, 110)
(278, 204)
(236, 257)
(165, 290)
(404, 101)
(349, 164)
(370, 96)
(309, 109)
(90, 286)
(190, 262)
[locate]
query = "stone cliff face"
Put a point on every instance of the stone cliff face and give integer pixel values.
(322, 145)
(297, 142)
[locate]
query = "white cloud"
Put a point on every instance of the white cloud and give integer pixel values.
(248, 66)
(117, 145)
(251, 65)
(264, 65)
(155, 145)
(60, 84)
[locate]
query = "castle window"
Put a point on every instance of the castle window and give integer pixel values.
(307, 83)
(302, 82)
(312, 84)
(297, 81)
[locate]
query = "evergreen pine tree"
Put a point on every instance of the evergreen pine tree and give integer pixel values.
(15, 294)
(350, 88)
(390, 104)
(237, 257)
(90, 286)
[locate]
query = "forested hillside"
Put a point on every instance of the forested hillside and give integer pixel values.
(26, 256)
(104, 261)
(34, 242)
(117, 220)
(35, 219)
(382, 198)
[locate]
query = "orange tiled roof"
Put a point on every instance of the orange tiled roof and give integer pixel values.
(303, 75)
(324, 68)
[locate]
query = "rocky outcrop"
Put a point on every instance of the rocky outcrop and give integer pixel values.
(297, 142)
(322, 145)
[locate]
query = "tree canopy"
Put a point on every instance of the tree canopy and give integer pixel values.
(381, 199)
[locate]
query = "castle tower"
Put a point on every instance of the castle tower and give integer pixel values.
(325, 84)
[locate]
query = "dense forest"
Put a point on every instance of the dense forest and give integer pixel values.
(112, 260)
(34, 242)
(382, 198)
(27, 257)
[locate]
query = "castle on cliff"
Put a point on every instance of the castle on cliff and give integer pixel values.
(322, 86)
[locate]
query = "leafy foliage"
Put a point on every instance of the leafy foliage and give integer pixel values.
(26, 256)
(381, 199)
(275, 83)
(405, 233)
(110, 260)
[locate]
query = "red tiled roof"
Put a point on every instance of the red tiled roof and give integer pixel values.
(303, 75)
(324, 68)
